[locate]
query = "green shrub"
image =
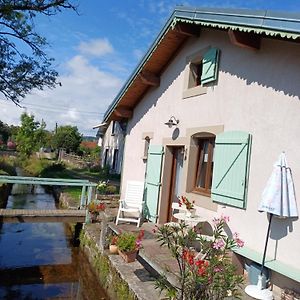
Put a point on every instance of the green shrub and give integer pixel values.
(7, 167)
(53, 170)
(111, 189)
(35, 166)
(104, 172)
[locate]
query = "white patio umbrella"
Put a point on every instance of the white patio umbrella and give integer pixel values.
(278, 199)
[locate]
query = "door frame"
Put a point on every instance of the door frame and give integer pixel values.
(172, 180)
(164, 205)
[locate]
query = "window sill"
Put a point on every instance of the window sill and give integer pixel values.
(195, 91)
(200, 193)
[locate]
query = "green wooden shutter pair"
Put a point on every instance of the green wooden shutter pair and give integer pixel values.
(152, 187)
(210, 63)
(231, 168)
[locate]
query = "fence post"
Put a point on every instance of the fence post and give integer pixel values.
(90, 189)
(82, 199)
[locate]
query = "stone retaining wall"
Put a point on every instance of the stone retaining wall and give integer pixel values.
(120, 280)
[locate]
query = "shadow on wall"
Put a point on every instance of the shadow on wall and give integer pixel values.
(153, 94)
(267, 67)
(280, 228)
(276, 65)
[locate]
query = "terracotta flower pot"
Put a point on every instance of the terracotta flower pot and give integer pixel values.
(113, 249)
(128, 256)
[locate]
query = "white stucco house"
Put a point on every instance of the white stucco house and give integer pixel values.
(209, 109)
(111, 139)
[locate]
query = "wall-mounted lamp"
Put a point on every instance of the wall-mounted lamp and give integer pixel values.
(172, 122)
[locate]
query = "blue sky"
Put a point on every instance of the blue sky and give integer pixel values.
(98, 49)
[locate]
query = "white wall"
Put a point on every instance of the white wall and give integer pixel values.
(257, 92)
(112, 142)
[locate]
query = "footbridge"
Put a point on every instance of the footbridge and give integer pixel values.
(54, 215)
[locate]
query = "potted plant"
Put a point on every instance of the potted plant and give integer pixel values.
(101, 187)
(128, 245)
(184, 201)
(94, 208)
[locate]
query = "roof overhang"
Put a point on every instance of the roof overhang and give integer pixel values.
(186, 22)
(104, 124)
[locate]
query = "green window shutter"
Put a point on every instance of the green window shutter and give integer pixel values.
(152, 187)
(231, 168)
(210, 63)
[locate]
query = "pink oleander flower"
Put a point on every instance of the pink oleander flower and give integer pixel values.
(218, 244)
(138, 244)
(240, 243)
(217, 269)
(224, 219)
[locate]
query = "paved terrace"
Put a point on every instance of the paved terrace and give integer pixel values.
(152, 260)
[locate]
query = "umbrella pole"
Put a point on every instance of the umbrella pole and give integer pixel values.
(266, 245)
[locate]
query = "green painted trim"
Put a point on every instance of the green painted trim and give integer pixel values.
(275, 265)
(258, 30)
(46, 181)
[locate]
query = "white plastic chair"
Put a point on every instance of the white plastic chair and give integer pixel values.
(132, 203)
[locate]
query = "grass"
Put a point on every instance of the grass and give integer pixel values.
(74, 192)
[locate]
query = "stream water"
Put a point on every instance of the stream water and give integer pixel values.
(38, 260)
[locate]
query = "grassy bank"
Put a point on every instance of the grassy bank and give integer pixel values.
(7, 166)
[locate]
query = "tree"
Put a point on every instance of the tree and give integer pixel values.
(23, 63)
(67, 137)
(30, 136)
(4, 132)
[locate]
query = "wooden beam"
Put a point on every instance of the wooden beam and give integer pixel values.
(123, 112)
(188, 29)
(244, 39)
(149, 78)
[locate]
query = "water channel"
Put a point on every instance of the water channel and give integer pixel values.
(39, 260)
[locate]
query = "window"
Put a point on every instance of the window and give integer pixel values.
(195, 74)
(146, 147)
(115, 159)
(113, 128)
(106, 157)
(203, 176)
(202, 69)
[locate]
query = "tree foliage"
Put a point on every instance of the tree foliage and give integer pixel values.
(4, 132)
(67, 137)
(31, 135)
(23, 63)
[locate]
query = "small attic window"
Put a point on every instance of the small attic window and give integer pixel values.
(202, 68)
(195, 74)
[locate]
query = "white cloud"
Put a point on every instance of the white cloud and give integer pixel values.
(96, 47)
(82, 99)
(138, 54)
